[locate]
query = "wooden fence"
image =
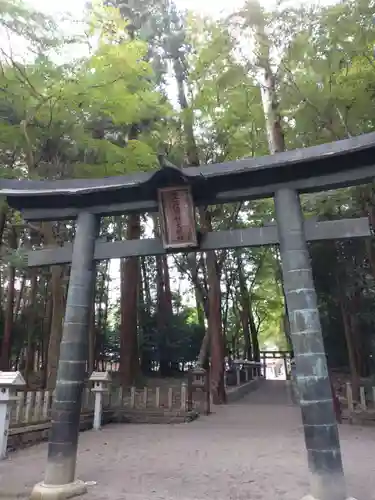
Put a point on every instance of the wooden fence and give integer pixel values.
(360, 411)
(30, 411)
(366, 398)
(30, 415)
(35, 406)
(31, 407)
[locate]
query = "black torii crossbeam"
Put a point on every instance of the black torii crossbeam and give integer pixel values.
(218, 240)
(282, 176)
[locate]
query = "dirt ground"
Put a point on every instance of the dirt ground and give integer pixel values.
(250, 450)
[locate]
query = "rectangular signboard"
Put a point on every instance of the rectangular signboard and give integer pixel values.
(176, 208)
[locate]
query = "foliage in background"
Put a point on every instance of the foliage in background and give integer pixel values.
(78, 118)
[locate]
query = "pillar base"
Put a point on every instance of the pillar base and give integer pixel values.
(43, 491)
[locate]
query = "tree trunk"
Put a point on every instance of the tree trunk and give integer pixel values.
(199, 308)
(224, 314)
(146, 286)
(202, 356)
(58, 307)
(354, 309)
(129, 360)
(106, 306)
(164, 306)
(202, 308)
(254, 336)
(31, 318)
(56, 325)
(366, 196)
(167, 286)
(245, 310)
(215, 330)
(275, 135)
(214, 316)
(200, 298)
(161, 320)
(279, 280)
(8, 320)
(3, 219)
(354, 375)
(18, 297)
(92, 326)
(47, 327)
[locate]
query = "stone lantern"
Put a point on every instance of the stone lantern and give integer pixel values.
(199, 380)
(10, 383)
(101, 381)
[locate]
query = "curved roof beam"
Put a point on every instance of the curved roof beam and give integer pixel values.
(253, 173)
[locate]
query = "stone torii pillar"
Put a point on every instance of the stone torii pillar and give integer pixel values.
(318, 416)
(59, 480)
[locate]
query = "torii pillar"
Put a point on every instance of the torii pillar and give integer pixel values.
(59, 480)
(318, 416)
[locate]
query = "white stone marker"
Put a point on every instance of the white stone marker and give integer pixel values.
(101, 381)
(10, 382)
(310, 497)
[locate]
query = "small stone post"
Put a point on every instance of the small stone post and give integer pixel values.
(238, 375)
(184, 405)
(285, 366)
(10, 382)
(101, 381)
(264, 366)
(318, 416)
(59, 479)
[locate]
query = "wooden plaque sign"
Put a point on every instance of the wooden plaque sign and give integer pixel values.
(176, 209)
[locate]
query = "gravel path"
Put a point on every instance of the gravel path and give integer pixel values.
(250, 450)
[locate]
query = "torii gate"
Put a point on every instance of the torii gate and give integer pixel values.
(282, 176)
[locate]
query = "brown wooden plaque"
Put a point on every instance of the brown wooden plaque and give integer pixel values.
(176, 209)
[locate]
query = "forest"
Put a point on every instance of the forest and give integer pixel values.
(142, 79)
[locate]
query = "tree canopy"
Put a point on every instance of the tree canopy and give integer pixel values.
(154, 81)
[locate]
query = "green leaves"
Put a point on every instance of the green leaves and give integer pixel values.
(16, 258)
(227, 101)
(328, 75)
(77, 116)
(24, 23)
